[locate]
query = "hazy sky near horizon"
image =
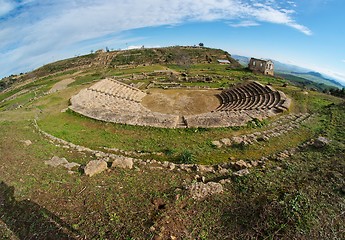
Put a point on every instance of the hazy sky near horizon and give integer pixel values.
(305, 33)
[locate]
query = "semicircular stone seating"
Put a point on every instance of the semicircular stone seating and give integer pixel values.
(113, 101)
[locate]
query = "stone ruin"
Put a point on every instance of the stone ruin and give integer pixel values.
(113, 101)
(265, 67)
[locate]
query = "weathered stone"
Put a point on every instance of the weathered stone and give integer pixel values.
(172, 166)
(223, 171)
(224, 181)
(122, 162)
(264, 138)
(240, 165)
(217, 144)
(242, 172)
(95, 167)
(71, 165)
(56, 161)
(205, 169)
(165, 164)
(27, 142)
(226, 141)
(199, 190)
(98, 154)
(321, 142)
(254, 163)
(237, 140)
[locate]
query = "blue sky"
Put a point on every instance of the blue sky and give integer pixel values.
(305, 33)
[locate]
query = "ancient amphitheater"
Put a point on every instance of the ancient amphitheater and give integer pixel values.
(113, 101)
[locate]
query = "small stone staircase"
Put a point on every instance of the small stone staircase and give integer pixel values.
(181, 123)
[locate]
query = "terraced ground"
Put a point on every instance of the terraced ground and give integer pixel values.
(292, 189)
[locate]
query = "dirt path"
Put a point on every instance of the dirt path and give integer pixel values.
(61, 85)
(181, 102)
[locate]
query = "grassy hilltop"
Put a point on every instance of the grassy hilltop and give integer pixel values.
(284, 196)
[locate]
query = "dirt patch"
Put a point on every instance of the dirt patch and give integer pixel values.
(181, 101)
(61, 85)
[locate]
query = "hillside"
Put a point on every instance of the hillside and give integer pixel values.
(182, 56)
(274, 174)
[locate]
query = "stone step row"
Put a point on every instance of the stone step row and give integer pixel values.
(251, 96)
(117, 89)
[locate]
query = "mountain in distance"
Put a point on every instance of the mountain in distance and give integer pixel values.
(286, 70)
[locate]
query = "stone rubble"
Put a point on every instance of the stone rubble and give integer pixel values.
(278, 128)
(95, 167)
(200, 190)
(321, 142)
(26, 142)
(237, 168)
(56, 161)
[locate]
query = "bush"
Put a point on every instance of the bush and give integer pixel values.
(186, 157)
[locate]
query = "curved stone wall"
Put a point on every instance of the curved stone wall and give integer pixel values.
(112, 101)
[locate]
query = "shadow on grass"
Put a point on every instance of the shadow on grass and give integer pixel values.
(28, 220)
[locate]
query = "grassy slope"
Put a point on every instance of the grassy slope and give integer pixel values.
(301, 199)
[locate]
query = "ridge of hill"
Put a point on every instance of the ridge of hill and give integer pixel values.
(178, 55)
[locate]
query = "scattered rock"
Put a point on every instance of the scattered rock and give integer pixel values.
(263, 138)
(205, 169)
(226, 141)
(224, 181)
(242, 172)
(237, 140)
(71, 165)
(26, 142)
(321, 142)
(122, 162)
(172, 166)
(217, 144)
(199, 190)
(254, 163)
(56, 161)
(95, 167)
(240, 165)
(165, 164)
(223, 171)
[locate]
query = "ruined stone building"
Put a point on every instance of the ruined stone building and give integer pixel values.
(265, 67)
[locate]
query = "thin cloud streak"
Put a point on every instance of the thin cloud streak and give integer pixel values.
(244, 24)
(33, 32)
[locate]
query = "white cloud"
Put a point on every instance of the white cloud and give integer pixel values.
(343, 61)
(40, 31)
(247, 23)
(5, 7)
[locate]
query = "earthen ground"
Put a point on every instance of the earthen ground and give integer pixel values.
(62, 84)
(181, 101)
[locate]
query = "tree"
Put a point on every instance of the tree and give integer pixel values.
(201, 45)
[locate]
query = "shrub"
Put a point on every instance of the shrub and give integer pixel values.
(186, 157)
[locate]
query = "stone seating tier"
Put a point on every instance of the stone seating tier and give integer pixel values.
(251, 96)
(113, 101)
